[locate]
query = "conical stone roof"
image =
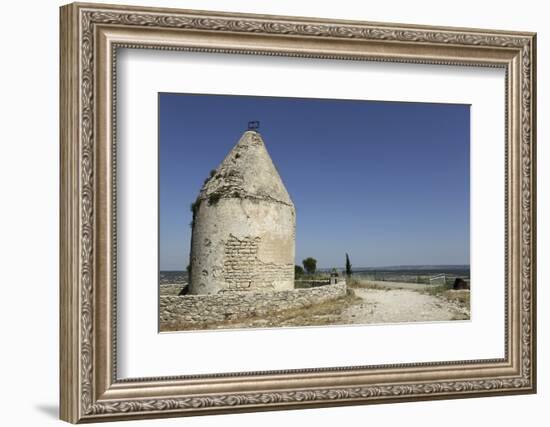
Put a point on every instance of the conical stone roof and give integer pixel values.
(246, 172)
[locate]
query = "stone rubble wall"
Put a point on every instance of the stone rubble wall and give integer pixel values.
(195, 311)
(170, 289)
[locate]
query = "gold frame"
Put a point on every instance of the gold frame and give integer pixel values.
(90, 36)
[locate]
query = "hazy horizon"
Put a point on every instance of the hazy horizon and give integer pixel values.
(386, 182)
(373, 267)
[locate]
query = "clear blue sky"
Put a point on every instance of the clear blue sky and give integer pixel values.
(386, 182)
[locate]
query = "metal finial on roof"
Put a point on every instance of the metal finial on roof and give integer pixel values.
(253, 125)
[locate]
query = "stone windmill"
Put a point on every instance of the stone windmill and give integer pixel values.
(243, 224)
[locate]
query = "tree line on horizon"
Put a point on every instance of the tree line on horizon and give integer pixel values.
(310, 267)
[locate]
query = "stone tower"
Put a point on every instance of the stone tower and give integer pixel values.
(243, 225)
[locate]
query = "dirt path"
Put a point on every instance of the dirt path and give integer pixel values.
(397, 285)
(400, 305)
(366, 306)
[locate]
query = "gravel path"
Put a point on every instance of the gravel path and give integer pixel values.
(398, 285)
(368, 306)
(400, 305)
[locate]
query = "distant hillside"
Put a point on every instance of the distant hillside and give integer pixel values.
(444, 267)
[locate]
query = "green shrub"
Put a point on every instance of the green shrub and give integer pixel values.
(310, 265)
(214, 198)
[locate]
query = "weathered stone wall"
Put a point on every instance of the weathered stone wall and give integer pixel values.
(243, 268)
(197, 311)
(242, 243)
(170, 289)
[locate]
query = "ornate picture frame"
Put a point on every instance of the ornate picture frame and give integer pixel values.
(90, 37)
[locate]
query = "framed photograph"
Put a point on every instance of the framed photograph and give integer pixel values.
(340, 160)
(266, 212)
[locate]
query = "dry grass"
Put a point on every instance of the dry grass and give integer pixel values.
(364, 284)
(314, 315)
(436, 291)
(459, 297)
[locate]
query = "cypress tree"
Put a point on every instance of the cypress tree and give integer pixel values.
(348, 266)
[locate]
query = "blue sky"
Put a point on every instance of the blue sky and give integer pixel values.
(386, 182)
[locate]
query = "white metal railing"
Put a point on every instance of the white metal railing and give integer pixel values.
(438, 277)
